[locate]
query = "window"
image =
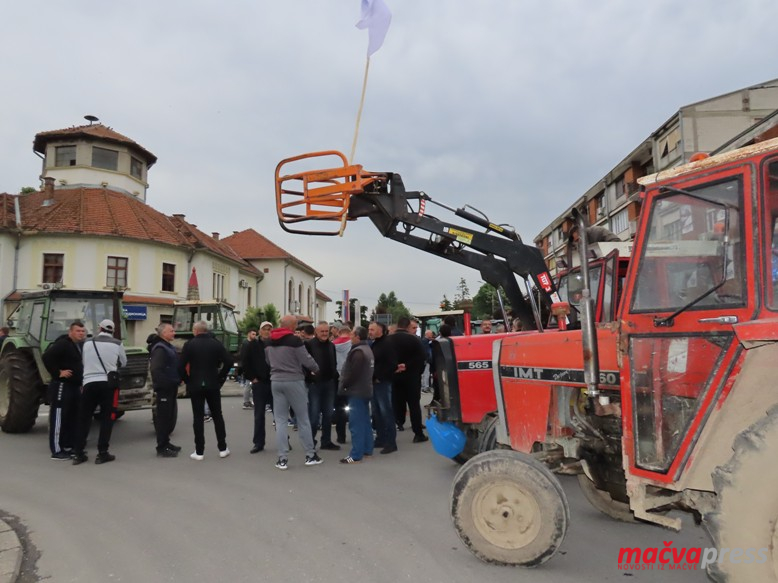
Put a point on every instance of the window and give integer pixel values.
(104, 158)
(619, 188)
(117, 272)
(53, 264)
(65, 156)
(136, 168)
(620, 222)
(218, 286)
(168, 277)
(688, 257)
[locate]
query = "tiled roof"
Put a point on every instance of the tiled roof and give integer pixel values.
(251, 245)
(321, 295)
(101, 211)
(90, 131)
(198, 239)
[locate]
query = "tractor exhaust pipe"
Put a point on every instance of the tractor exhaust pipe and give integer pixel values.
(591, 358)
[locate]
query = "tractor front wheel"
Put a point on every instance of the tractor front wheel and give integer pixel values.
(20, 390)
(509, 509)
(746, 519)
(485, 439)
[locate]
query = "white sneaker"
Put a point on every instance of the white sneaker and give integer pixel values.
(225, 452)
(196, 456)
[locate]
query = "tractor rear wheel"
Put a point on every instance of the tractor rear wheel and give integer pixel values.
(747, 514)
(509, 509)
(603, 501)
(20, 390)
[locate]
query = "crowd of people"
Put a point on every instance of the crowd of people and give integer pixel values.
(368, 380)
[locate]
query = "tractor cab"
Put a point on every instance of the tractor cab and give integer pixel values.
(220, 317)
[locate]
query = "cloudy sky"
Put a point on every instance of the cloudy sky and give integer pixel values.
(513, 107)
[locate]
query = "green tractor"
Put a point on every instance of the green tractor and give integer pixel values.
(41, 318)
(220, 317)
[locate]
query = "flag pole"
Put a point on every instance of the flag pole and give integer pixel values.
(359, 112)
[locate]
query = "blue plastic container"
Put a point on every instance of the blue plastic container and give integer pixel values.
(447, 439)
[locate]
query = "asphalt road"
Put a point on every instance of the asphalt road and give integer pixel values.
(143, 518)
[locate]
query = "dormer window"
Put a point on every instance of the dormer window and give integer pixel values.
(136, 168)
(105, 158)
(65, 156)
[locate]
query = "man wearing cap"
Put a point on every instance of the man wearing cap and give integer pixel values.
(257, 372)
(102, 354)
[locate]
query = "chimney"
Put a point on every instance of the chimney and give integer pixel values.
(48, 186)
(48, 189)
(215, 236)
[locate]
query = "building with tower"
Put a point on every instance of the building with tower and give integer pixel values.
(90, 227)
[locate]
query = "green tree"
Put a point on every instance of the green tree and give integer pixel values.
(27, 190)
(255, 316)
(271, 314)
(462, 295)
(389, 304)
(445, 304)
(486, 304)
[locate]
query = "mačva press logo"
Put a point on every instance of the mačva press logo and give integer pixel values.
(670, 558)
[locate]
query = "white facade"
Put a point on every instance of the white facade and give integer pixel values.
(85, 267)
(287, 285)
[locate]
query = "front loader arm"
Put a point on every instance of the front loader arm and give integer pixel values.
(349, 193)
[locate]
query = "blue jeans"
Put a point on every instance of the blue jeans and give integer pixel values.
(384, 414)
(361, 431)
(321, 402)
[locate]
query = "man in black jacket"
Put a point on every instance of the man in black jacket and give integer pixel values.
(63, 361)
(209, 364)
(256, 370)
(165, 380)
(383, 373)
(406, 387)
(321, 386)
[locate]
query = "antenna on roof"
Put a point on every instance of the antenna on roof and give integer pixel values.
(91, 119)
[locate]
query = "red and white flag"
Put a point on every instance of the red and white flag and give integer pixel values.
(376, 18)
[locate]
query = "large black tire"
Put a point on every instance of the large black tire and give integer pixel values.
(20, 391)
(603, 502)
(485, 441)
(747, 513)
(509, 509)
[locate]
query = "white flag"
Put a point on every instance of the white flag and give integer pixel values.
(376, 18)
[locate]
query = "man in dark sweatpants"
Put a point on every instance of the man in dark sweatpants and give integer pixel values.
(165, 381)
(406, 387)
(63, 361)
(209, 364)
(256, 370)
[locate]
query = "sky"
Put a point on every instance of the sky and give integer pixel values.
(515, 108)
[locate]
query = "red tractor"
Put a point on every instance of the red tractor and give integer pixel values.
(668, 407)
